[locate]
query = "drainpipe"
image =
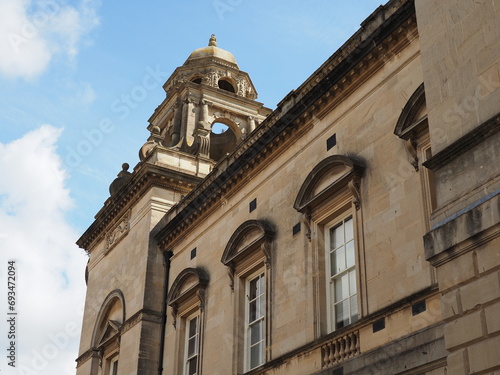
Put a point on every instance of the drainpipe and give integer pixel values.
(166, 261)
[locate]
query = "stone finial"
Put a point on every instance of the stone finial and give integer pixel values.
(122, 178)
(213, 41)
(124, 172)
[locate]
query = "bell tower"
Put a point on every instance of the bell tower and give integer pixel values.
(122, 324)
(208, 89)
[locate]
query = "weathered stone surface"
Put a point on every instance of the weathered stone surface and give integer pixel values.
(480, 291)
(444, 289)
(464, 330)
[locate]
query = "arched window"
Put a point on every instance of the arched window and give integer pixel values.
(330, 200)
(187, 300)
(222, 140)
(247, 257)
(412, 127)
(106, 334)
(226, 85)
(197, 80)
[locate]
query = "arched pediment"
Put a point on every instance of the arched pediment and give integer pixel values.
(328, 177)
(189, 283)
(250, 235)
(413, 115)
(110, 319)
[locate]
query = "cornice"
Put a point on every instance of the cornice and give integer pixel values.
(144, 177)
(389, 30)
(140, 316)
(464, 144)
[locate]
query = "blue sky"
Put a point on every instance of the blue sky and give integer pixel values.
(78, 81)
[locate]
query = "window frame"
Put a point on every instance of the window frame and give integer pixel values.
(113, 365)
(249, 253)
(261, 274)
(330, 193)
(330, 279)
(187, 337)
(186, 299)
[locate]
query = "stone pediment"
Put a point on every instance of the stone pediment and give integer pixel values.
(110, 331)
(327, 178)
(187, 284)
(413, 116)
(249, 236)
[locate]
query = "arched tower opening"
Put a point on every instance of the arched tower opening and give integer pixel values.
(226, 85)
(222, 139)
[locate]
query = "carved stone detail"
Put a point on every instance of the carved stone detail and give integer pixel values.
(174, 312)
(91, 353)
(411, 147)
(116, 234)
(306, 219)
(354, 186)
(266, 249)
(230, 272)
(200, 293)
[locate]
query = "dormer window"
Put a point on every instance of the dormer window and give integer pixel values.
(224, 84)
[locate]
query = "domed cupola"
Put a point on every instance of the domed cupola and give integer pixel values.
(210, 105)
(212, 52)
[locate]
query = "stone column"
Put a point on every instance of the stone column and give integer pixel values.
(251, 124)
(176, 126)
(203, 123)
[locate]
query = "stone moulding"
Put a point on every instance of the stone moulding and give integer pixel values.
(377, 36)
(115, 295)
(464, 144)
(118, 232)
(408, 128)
(142, 315)
(247, 238)
(193, 295)
(86, 356)
(319, 185)
(406, 124)
(146, 177)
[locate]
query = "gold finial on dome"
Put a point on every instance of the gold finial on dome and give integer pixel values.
(213, 41)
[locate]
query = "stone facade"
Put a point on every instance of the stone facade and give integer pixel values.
(352, 230)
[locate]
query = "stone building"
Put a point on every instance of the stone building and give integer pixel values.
(352, 230)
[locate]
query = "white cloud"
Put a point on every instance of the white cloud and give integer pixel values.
(32, 32)
(50, 267)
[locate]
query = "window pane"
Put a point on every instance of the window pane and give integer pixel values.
(193, 323)
(256, 355)
(260, 307)
(349, 250)
(252, 311)
(256, 332)
(354, 308)
(341, 288)
(262, 286)
(192, 346)
(338, 261)
(342, 314)
(253, 289)
(337, 236)
(191, 366)
(352, 283)
(349, 233)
